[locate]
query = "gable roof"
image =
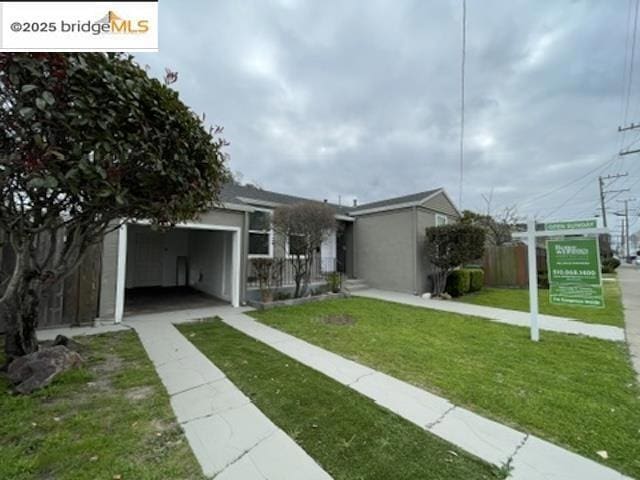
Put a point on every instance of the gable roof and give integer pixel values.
(248, 195)
(405, 201)
(235, 193)
(397, 202)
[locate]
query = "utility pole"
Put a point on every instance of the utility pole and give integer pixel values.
(625, 226)
(631, 126)
(603, 193)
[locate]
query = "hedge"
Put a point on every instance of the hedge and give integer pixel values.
(458, 282)
(477, 280)
(464, 280)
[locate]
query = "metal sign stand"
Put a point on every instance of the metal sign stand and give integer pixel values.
(530, 236)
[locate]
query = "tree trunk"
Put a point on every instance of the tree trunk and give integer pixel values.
(21, 313)
(298, 280)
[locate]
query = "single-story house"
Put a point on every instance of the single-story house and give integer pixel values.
(380, 243)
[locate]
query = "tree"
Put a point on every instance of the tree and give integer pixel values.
(300, 230)
(449, 246)
(88, 142)
(498, 228)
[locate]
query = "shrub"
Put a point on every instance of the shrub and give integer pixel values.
(543, 280)
(610, 264)
(334, 282)
(281, 296)
(477, 279)
(449, 246)
(458, 282)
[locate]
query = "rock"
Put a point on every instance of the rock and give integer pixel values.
(38, 369)
(67, 342)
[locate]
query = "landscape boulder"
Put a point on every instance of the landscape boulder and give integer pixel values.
(38, 369)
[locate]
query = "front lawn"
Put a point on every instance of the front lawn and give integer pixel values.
(109, 419)
(347, 434)
(574, 391)
(518, 299)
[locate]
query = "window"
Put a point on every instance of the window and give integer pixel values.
(296, 245)
(260, 233)
(441, 220)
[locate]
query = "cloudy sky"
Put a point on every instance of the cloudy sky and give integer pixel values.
(362, 98)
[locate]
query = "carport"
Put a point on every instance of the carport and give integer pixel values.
(185, 267)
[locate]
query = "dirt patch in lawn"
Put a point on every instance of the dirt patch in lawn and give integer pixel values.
(139, 393)
(340, 319)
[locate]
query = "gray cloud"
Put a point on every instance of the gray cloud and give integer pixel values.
(362, 98)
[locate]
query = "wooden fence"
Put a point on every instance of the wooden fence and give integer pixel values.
(71, 302)
(506, 266)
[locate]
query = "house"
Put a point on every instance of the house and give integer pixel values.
(380, 243)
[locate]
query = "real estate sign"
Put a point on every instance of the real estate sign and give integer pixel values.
(574, 272)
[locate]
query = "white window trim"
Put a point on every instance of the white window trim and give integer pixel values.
(444, 218)
(270, 232)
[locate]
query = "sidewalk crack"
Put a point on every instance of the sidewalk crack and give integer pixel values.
(360, 378)
(430, 425)
(245, 452)
(507, 465)
(217, 413)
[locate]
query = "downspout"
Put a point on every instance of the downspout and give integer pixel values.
(415, 250)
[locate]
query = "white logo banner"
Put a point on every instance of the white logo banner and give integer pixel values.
(79, 26)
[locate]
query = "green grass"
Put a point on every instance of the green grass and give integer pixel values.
(575, 391)
(107, 419)
(346, 433)
(518, 299)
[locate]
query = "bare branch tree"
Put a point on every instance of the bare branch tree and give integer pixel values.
(300, 230)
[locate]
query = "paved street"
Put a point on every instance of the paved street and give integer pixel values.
(629, 277)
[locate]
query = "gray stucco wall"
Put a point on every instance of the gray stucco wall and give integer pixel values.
(109, 272)
(385, 249)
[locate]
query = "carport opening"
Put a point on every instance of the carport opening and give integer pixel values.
(177, 269)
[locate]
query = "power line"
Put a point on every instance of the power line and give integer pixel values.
(462, 73)
(631, 60)
(624, 70)
(597, 169)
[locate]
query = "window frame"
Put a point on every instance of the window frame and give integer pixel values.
(261, 232)
(440, 216)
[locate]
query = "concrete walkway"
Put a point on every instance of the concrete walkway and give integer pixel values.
(530, 457)
(511, 317)
(629, 278)
(230, 437)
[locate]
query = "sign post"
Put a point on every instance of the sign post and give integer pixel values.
(533, 278)
(574, 265)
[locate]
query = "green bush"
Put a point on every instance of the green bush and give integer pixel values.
(477, 279)
(334, 282)
(610, 264)
(281, 296)
(543, 280)
(458, 282)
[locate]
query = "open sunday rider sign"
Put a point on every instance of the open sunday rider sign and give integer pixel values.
(574, 272)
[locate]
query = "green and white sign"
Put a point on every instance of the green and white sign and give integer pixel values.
(571, 225)
(574, 272)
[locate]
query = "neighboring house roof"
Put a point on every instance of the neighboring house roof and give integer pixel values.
(405, 201)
